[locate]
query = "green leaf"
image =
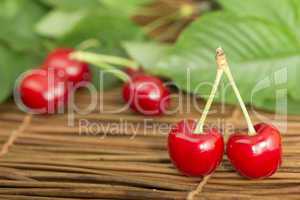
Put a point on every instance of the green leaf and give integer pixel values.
(12, 64)
(128, 7)
(9, 8)
(20, 46)
(58, 23)
(286, 17)
(18, 25)
(146, 53)
(259, 49)
(109, 29)
(72, 4)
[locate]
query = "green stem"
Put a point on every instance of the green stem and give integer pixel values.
(251, 129)
(200, 124)
(117, 73)
(95, 58)
(87, 44)
(223, 63)
(110, 69)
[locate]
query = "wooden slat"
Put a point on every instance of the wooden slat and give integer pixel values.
(51, 160)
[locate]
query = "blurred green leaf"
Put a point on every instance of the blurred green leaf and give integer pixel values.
(128, 7)
(12, 64)
(31, 27)
(147, 53)
(17, 24)
(58, 23)
(9, 9)
(263, 52)
(20, 47)
(110, 29)
(72, 4)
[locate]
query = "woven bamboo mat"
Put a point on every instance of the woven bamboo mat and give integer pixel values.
(44, 158)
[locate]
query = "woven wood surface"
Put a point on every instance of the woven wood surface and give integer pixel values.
(44, 158)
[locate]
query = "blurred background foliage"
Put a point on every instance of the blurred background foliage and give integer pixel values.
(168, 38)
(31, 28)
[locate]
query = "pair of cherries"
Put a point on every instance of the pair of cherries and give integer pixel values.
(199, 154)
(196, 152)
(145, 94)
(46, 89)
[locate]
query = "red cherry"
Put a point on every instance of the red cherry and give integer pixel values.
(42, 92)
(75, 71)
(147, 95)
(195, 154)
(257, 156)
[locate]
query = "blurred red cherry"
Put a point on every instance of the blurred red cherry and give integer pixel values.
(72, 70)
(146, 94)
(43, 92)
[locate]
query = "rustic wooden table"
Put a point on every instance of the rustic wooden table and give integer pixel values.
(44, 158)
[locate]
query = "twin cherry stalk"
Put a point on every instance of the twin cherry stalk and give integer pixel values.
(195, 152)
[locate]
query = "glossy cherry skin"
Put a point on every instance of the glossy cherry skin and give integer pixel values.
(42, 92)
(74, 71)
(258, 156)
(146, 94)
(195, 154)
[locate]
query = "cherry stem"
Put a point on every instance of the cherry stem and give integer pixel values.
(95, 58)
(251, 130)
(89, 43)
(116, 72)
(223, 61)
(200, 124)
(104, 66)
